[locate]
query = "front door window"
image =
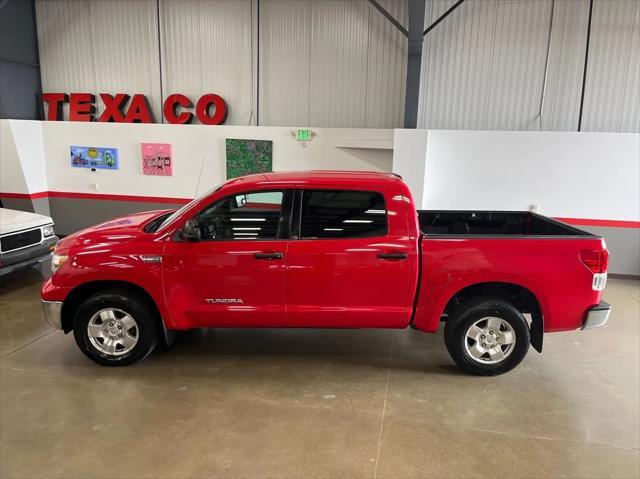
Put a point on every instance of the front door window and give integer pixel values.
(246, 216)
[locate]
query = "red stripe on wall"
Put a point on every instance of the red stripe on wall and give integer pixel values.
(25, 196)
(102, 196)
(95, 196)
(165, 199)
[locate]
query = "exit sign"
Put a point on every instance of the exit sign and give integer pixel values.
(303, 135)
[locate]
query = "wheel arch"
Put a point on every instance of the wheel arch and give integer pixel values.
(521, 297)
(80, 293)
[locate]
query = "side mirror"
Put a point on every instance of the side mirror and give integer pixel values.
(241, 200)
(191, 231)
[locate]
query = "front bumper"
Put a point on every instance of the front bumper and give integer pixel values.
(597, 316)
(53, 313)
(26, 257)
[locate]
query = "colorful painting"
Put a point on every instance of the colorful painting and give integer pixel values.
(94, 158)
(157, 159)
(248, 156)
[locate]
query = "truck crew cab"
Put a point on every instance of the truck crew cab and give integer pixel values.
(326, 249)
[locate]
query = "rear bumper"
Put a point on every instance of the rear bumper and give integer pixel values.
(597, 316)
(53, 313)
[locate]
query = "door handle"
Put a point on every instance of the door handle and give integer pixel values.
(392, 256)
(268, 255)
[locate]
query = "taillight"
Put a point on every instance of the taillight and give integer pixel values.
(596, 260)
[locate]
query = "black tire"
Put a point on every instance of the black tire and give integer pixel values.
(463, 317)
(146, 329)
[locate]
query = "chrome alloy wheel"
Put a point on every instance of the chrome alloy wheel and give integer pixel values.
(490, 340)
(113, 331)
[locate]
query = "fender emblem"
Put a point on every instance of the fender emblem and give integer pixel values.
(224, 301)
(146, 258)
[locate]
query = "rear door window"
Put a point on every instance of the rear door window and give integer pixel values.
(342, 214)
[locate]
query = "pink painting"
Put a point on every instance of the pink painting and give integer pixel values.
(157, 159)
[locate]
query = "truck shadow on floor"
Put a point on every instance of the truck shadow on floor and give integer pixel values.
(26, 278)
(379, 348)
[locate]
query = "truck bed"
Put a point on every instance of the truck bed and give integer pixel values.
(460, 249)
(493, 223)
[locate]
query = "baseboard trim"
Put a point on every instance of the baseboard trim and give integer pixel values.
(623, 276)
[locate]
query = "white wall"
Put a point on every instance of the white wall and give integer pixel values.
(575, 175)
(31, 144)
(22, 163)
(12, 178)
(571, 175)
(410, 159)
(579, 176)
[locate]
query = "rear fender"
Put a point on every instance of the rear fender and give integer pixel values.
(433, 301)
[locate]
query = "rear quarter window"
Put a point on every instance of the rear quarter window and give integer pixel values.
(342, 214)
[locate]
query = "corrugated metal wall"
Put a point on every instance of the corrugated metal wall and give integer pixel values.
(285, 44)
(100, 46)
(207, 48)
(340, 63)
(612, 93)
(566, 66)
(484, 66)
(331, 63)
(322, 62)
(387, 69)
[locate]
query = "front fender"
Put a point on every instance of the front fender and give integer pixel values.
(83, 269)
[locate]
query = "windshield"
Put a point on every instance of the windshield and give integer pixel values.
(184, 208)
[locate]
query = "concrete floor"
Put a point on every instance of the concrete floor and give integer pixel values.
(303, 404)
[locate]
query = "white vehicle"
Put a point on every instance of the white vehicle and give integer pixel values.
(26, 239)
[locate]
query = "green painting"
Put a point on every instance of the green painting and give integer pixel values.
(245, 157)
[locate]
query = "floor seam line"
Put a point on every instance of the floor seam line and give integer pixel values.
(27, 344)
(554, 439)
(384, 409)
(633, 296)
(529, 436)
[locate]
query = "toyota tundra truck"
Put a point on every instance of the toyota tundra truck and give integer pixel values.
(326, 249)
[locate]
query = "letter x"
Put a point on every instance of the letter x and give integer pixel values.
(112, 107)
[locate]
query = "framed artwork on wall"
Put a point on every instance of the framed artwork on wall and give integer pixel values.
(157, 159)
(94, 157)
(245, 157)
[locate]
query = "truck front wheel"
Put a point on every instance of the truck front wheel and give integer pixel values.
(115, 328)
(487, 336)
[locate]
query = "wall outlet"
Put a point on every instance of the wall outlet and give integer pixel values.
(95, 186)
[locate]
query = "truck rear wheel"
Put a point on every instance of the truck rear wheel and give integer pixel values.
(115, 328)
(487, 336)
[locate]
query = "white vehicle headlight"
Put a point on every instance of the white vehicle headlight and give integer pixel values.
(47, 231)
(57, 260)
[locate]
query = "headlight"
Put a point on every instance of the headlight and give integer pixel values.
(47, 230)
(57, 260)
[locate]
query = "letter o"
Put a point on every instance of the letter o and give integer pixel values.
(205, 103)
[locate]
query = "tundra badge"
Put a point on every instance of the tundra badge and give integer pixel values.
(224, 300)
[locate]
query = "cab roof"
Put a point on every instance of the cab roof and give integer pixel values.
(321, 177)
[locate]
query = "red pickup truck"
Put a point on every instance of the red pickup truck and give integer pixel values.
(326, 249)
